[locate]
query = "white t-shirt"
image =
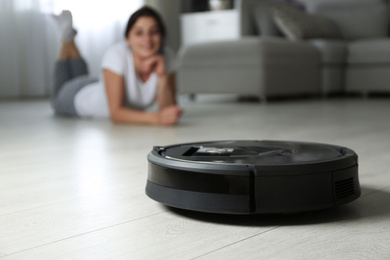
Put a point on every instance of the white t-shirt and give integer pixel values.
(91, 101)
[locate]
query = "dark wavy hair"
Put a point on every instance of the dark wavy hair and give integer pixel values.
(147, 11)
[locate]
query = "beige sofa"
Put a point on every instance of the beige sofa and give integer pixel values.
(281, 52)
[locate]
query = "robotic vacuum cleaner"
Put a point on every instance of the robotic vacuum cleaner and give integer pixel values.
(253, 177)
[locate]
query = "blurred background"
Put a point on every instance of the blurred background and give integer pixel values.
(30, 40)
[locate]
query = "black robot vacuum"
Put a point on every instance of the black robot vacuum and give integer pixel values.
(253, 177)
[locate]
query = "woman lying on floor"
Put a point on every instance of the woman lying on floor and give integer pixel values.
(136, 73)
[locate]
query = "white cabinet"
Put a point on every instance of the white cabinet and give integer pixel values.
(210, 26)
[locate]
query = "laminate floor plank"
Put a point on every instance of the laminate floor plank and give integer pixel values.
(361, 231)
(48, 189)
(160, 236)
(43, 225)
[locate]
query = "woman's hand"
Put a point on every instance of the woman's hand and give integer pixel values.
(169, 115)
(155, 64)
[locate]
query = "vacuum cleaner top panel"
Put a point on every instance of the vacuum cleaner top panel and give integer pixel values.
(261, 154)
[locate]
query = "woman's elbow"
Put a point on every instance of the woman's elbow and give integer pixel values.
(116, 120)
(115, 116)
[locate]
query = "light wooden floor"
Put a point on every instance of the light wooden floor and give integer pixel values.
(74, 189)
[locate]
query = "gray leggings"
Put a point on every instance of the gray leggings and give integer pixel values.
(69, 77)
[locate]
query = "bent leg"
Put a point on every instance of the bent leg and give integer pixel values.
(70, 75)
(63, 70)
(62, 74)
(63, 104)
(70, 72)
(78, 67)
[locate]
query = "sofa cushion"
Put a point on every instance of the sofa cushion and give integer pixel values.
(357, 19)
(333, 60)
(239, 52)
(298, 25)
(264, 23)
(333, 52)
(248, 51)
(257, 18)
(375, 51)
(250, 13)
(263, 66)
